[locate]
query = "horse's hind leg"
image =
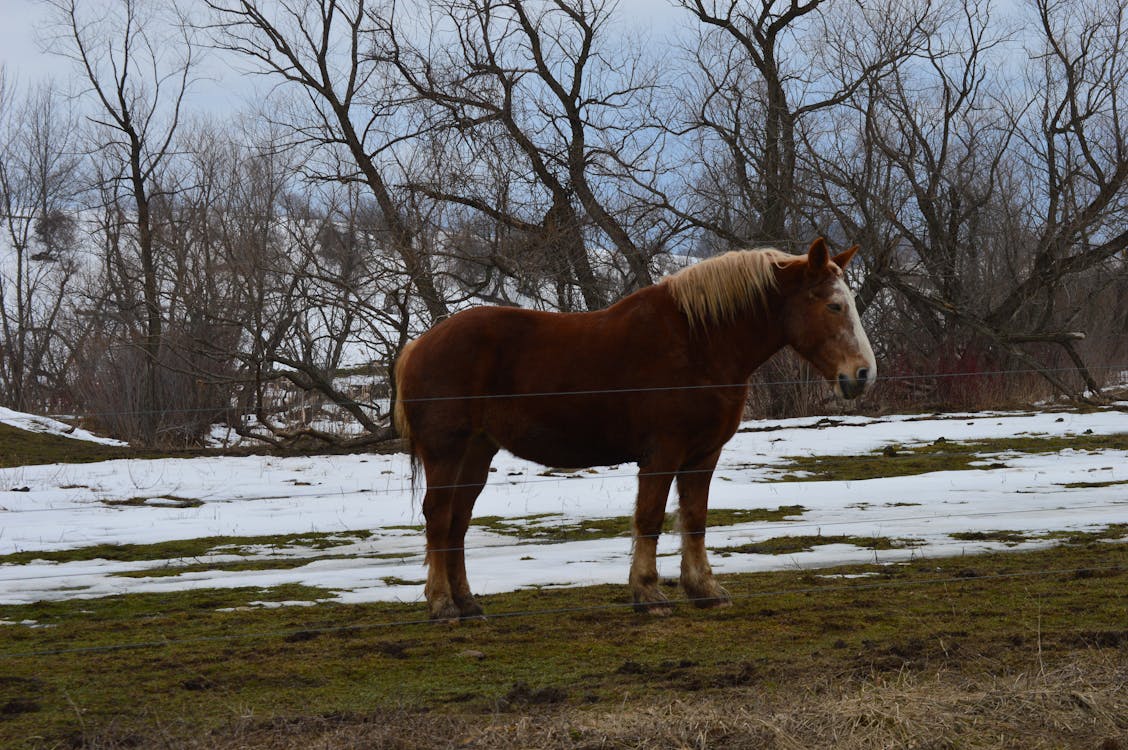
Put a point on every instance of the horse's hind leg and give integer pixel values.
(472, 478)
(693, 501)
(454, 480)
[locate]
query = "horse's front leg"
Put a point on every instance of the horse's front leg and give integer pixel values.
(693, 502)
(650, 510)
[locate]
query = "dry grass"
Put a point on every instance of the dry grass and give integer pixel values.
(1080, 704)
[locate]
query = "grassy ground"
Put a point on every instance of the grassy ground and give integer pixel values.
(22, 448)
(1016, 650)
(941, 455)
(219, 669)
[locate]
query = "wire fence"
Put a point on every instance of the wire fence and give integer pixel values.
(539, 539)
(749, 528)
(380, 405)
(558, 475)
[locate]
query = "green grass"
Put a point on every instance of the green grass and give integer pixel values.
(172, 501)
(941, 455)
(235, 566)
(200, 659)
(734, 516)
(787, 545)
(188, 548)
(1112, 532)
(23, 448)
(1009, 538)
(1093, 485)
(550, 527)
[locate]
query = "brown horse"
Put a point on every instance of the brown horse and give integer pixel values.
(658, 378)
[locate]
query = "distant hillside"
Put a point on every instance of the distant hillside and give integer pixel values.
(20, 447)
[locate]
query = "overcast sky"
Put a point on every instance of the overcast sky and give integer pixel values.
(21, 34)
(19, 53)
(218, 90)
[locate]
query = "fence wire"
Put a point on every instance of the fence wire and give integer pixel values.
(626, 390)
(745, 528)
(569, 476)
(540, 540)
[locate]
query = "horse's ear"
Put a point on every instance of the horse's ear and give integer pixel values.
(817, 256)
(843, 258)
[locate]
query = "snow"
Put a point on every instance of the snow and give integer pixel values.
(68, 506)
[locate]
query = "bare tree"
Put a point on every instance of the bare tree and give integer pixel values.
(540, 90)
(986, 197)
(37, 188)
(1078, 146)
(768, 68)
(138, 67)
(273, 288)
(351, 118)
(422, 155)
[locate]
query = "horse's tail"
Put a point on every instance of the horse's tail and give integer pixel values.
(399, 414)
(399, 417)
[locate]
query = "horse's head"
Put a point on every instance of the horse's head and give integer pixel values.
(821, 323)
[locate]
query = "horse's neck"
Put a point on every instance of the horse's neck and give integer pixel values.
(761, 331)
(729, 351)
(740, 346)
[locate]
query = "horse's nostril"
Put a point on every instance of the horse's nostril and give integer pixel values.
(853, 387)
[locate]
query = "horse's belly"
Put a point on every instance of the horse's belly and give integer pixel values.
(569, 438)
(567, 454)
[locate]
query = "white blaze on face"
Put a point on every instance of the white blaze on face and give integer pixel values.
(853, 337)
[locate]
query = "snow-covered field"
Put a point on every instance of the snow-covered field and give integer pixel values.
(375, 548)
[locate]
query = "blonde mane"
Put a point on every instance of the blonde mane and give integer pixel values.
(720, 288)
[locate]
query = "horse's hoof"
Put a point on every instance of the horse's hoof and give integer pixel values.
(445, 611)
(716, 599)
(469, 609)
(654, 604)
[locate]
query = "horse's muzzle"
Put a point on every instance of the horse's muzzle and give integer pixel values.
(854, 387)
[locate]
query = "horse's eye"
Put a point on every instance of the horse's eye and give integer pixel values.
(834, 307)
